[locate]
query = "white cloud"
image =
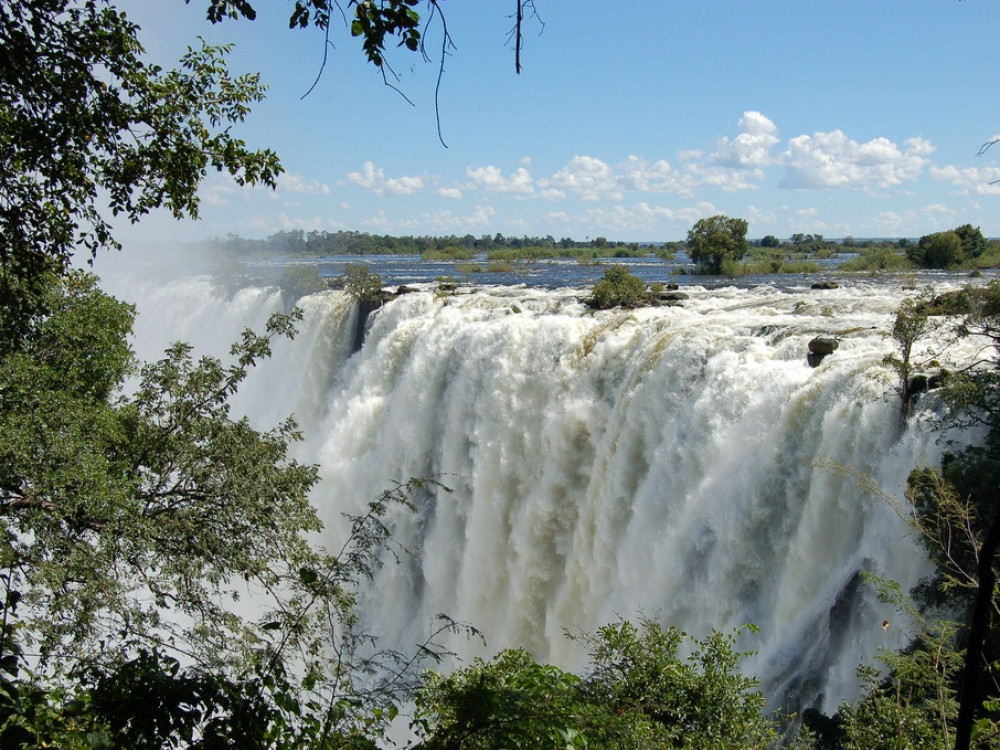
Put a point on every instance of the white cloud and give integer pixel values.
(590, 178)
(832, 160)
(970, 179)
(292, 183)
(454, 193)
(491, 179)
(374, 179)
(443, 222)
(646, 217)
(317, 223)
(751, 149)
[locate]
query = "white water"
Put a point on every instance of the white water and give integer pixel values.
(659, 461)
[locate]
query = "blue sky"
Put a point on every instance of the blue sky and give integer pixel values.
(847, 118)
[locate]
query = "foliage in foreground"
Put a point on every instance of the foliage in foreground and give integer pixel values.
(133, 521)
(640, 693)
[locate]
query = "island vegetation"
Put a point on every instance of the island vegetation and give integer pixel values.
(714, 246)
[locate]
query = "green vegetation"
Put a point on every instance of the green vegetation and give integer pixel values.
(878, 258)
(361, 282)
(639, 693)
(298, 281)
(619, 288)
(716, 242)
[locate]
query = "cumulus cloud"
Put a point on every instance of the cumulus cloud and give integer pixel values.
(970, 179)
(491, 179)
(454, 193)
(590, 178)
(832, 160)
(293, 183)
(374, 179)
(751, 149)
(644, 216)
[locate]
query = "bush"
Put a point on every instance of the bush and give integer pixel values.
(938, 250)
(361, 282)
(619, 288)
(298, 281)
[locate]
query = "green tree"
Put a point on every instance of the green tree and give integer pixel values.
(362, 283)
(910, 325)
(117, 509)
(133, 521)
(298, 280)
(938, 250)
(89, 129)
(717, 240)
(619, 288)
(973, 241)
(640, 692)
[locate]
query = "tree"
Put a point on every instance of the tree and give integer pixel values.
(619, 288)
(973, 241)
(717, 240)
(130, 523)
(640, 692)
(88, 130)
(362, 283)
(910, 324)
(938, 250)
(116, 510)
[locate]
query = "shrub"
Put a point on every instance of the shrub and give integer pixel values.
(361, 282)
(619, 288)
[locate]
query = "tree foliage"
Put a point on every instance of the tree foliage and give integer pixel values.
(640, 692)
(90, 130)
(938, 250)
(619, 288)
(717, 240)
(119, 509)
(362, 283)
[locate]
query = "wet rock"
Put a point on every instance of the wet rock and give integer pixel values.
(820, 348)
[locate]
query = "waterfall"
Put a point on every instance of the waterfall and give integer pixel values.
(661, 462)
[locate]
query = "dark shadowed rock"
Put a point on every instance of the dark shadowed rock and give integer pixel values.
(819, 348)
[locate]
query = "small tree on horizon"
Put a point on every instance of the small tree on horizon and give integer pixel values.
(714, 241)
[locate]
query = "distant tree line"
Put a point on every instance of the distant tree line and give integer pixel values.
(297, 242)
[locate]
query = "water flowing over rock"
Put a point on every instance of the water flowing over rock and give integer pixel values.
(661, 461)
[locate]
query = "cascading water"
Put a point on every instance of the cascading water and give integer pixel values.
(661, 461)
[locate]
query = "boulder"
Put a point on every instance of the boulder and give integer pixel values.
(825, 285)
(819, 348)
(823, 345)
(671, 297)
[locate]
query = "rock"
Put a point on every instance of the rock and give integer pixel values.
(825, 285)
(671, 296)
(823, 345)
(404, 289)
(819, 348)
(937, 380)
(917, 384)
